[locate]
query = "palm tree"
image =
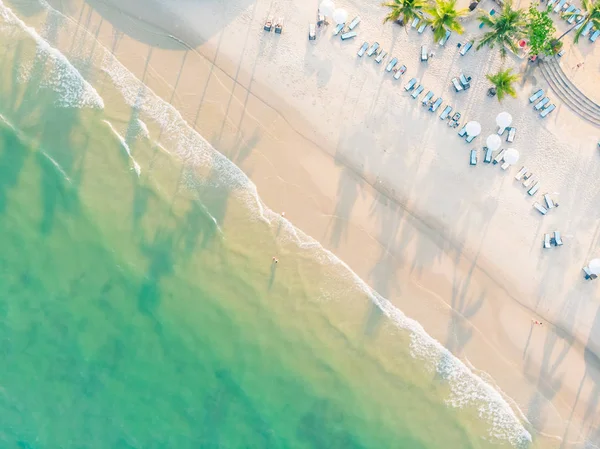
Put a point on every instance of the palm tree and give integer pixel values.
(591, 14)
(503, 83)
(506, 28)
(444, 17)
(403, 11)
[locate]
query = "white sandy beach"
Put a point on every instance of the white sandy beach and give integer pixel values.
(354, 161)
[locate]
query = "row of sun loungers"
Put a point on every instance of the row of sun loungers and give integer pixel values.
(380, 56)
(461, 83)
(544, 106)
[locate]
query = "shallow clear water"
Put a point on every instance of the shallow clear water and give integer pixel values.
(140, 308)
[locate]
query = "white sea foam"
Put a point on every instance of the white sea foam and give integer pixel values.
(143, 129)
(467, 389)
(57, 166)
(136, 166)
(59, 74)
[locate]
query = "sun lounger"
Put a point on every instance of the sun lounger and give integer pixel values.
(549, 201)
(338, 29)
(470, 139)
(411, 84)
(541, 103)
(422, 27)
(528, 180)
(574, 16)
(521, 173)
(423, 53)
(416, 21)
(268, 24)
(547, 111)
(354, 22)
(534, 188)
(473, 158)
(445, 38)
(362, 49)
(589, 274)
(557, 239)
(445, 112)
(465, 81)
(279, 26)
(501, 130)
(499, 157)
(399, 72)
(594, 36)
(391, 64)
(550, 3)
(559, 5)
(564, 8)
(373, 49)
(505, 166)
(348, 35)
(417, 92)
(427, 98)
(380, 56)
(457, 86)
(536, 95)
(321, 19)
(511, 134)
(463, 131)
(542, 210)
(579, 25)
(488, 155)
(465, 48)
(546, 241)
(587, 29)
(436, 105)
(570, 9)
(312, 32)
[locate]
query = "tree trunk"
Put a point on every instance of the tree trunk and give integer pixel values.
(570, 29)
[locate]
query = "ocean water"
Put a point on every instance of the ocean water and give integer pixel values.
(139, 305)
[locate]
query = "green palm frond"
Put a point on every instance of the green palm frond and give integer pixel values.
(405, 10)
(445, 17)
(503, 82)
(506, 28)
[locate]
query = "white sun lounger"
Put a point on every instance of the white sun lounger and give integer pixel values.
(589, 274)
(559, 5)
(445, 38)
(534, 188)
(312, 32)
(436, 105)
(470, 139)
(536, 95)
(463, 131)
(373, 49)
(428, 97)
(557, 240)
(505, 166)
(587, 29)
(521, 173)
(391, 64)
(550, 3)
(354, 22)
(422, 27)
(417, 92)
(511, 134)
(399, 72)
(549, 201)
(594, 36)
(424, 56)
(363, 49)
(528, 180)
(466, 82)
(473, 158)
(501, 130)
(546, 241)
(338, 29)
(411, 84)
(348, 35)
(547, 111)
(542, 210)
(541, 103)
(499, 157)
(447, 110)
(416, 20)
(457, 85)
(488, 155)
(465, 48)
(380, 56)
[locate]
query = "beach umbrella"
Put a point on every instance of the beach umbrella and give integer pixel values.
(473, 129)
(595, 266)
(493, 142)
(511, 156)
(327, 7)
(340, 16)
(503, 119)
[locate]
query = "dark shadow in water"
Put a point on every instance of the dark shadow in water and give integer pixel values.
(12, 158)
(272, 275)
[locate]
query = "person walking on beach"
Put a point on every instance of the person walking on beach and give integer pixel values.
(275, 259)
(536, 322)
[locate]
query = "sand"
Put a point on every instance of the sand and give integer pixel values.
(336, 143)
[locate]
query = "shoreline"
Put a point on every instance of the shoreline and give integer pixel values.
(360, 227)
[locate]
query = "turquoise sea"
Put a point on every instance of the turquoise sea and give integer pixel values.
(139, 307)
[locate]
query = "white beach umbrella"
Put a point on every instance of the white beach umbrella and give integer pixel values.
(493, 142)
(327, 7)
(473, 129)
(340, 15)
(503, 119)
(511, 156)
(595, 266)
